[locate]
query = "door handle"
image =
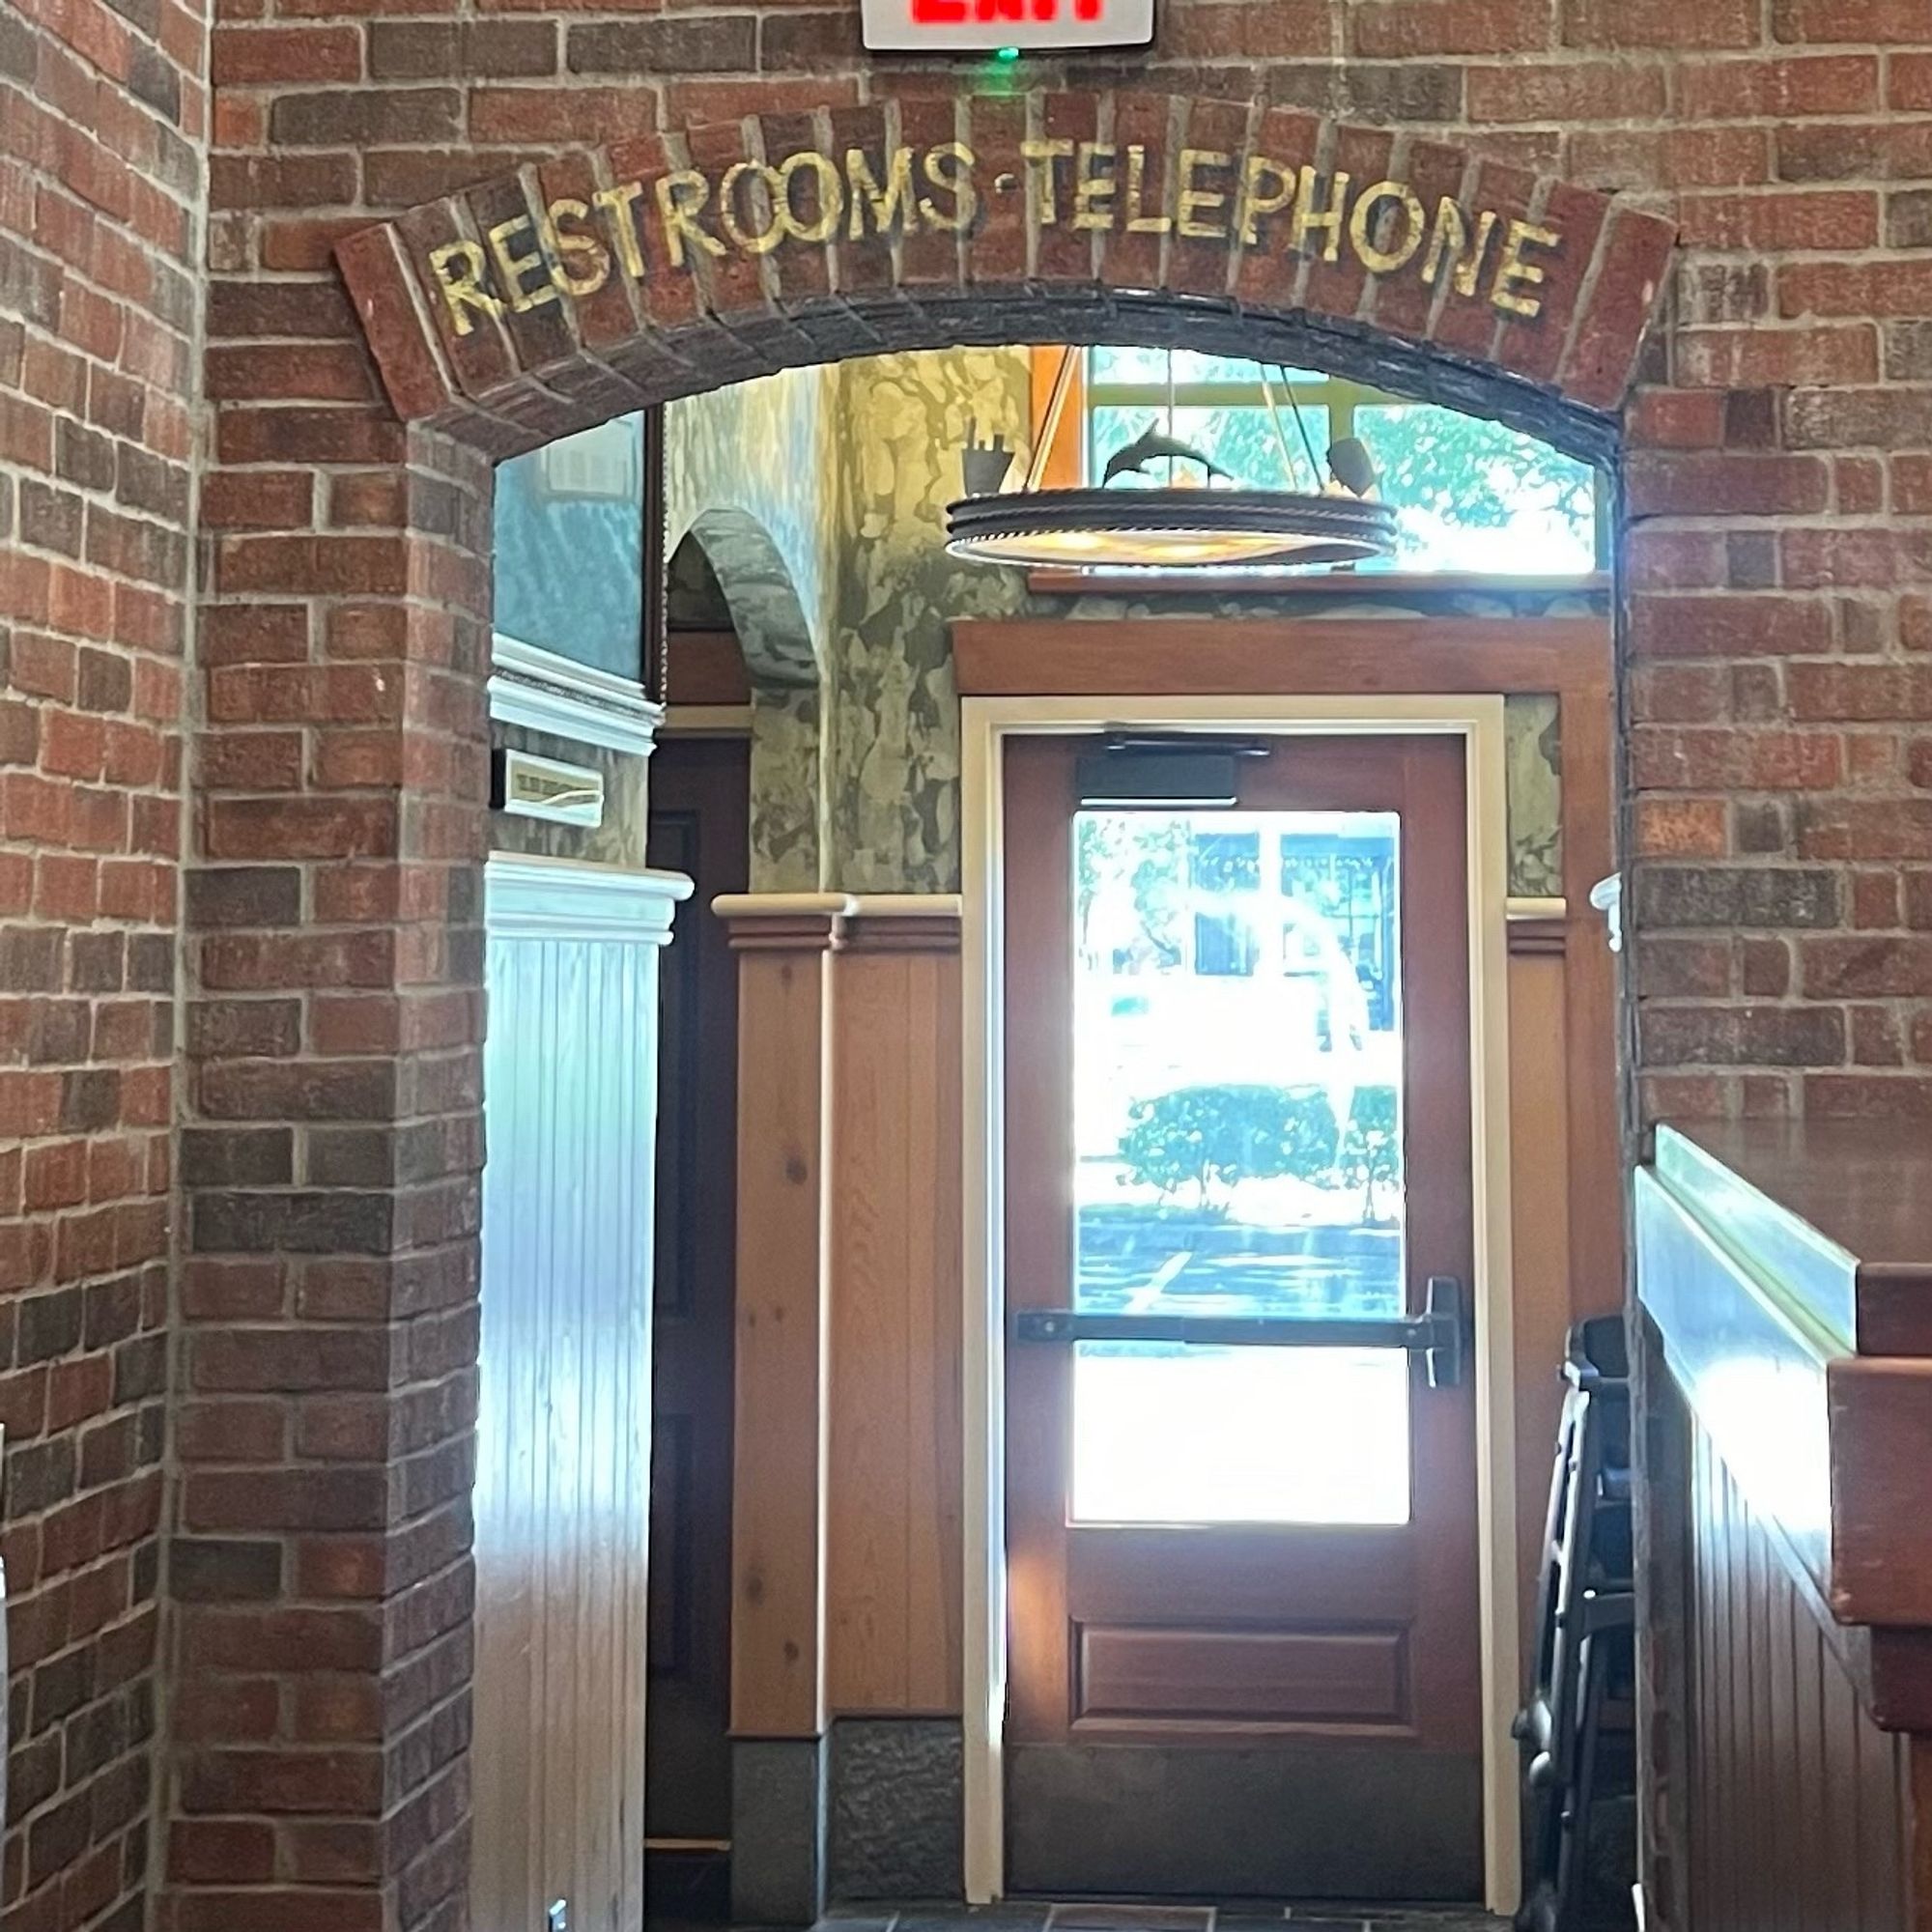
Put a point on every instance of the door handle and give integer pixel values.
(1438, 1334)
(1448, 1307)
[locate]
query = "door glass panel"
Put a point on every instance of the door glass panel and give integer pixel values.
(1237, 1105)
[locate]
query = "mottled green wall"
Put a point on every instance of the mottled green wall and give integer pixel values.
(758, 448)
(893, 764)
(1533, 772)
(749, 473)
(850, 470)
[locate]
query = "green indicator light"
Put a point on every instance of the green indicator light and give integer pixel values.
(1008, 54)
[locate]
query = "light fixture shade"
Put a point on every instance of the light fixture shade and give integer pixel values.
(1186, 529)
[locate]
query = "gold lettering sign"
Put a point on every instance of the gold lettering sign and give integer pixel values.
(1269, 204)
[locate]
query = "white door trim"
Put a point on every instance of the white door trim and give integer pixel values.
(984, 725)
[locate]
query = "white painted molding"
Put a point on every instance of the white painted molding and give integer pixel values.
(563, 899)
(543, 692)
(1525, 907)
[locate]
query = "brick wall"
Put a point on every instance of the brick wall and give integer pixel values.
(102, 131)
(1778, 529)
(1778, 639)
(322, 1643)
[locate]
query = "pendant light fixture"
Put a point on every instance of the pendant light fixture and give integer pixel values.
(1190, 521)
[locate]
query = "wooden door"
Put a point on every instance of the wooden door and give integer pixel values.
(1245, 1638)
(699, 796)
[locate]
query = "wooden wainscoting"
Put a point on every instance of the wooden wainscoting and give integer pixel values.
(893, 1563)
(1785, 1269)
(1543, 1299)
(848, 1458)
(1801, 1808)
(846, 1557)
(785, 943)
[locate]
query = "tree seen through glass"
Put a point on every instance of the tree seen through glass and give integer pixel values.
(1470, 495)
(1237, 1153)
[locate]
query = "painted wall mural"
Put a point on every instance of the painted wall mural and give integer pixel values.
(761, 448)
(748, 471)
(900, 422)
(1533, 772)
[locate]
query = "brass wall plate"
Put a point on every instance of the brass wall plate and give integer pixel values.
(529, 786)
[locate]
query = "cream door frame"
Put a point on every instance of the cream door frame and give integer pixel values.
(985, 723)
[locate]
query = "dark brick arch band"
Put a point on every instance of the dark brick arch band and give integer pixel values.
(608, 279)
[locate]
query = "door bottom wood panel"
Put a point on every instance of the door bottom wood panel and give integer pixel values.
(1272, 1678)
(1283, 1819)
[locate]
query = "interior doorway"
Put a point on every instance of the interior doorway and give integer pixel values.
(698, 810)
(1271, 295)
(1243, 1603)
(860, 1621)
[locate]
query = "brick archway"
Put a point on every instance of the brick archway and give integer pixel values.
(332, 1155)
(670, 263)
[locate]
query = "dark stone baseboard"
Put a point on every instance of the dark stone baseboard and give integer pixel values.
(897, 1825)
(778, 1831)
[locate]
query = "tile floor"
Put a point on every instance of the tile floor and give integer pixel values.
(1021, 1917)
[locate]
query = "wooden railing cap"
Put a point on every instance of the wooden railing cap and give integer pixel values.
(833, 921)
(784, 921)
(905, 923)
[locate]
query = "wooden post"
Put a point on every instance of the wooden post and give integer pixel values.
(894, 1590)
(785, 942)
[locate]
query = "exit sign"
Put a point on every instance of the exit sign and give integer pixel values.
(980, 26)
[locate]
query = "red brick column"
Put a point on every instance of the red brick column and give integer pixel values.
(103, 120)
(322, 1646)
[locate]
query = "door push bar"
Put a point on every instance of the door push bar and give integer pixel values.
(1440, 1334)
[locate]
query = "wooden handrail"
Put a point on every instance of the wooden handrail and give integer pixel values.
(1787, 1269)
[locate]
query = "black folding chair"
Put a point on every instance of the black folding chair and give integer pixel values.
(1585, 1620)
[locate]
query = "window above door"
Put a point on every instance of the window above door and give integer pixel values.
(1474, 500)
